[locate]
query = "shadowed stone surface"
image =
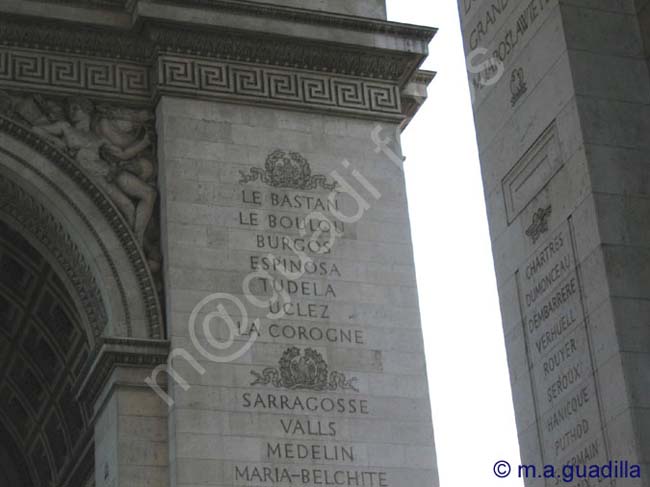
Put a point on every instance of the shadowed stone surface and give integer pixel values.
(560, 107)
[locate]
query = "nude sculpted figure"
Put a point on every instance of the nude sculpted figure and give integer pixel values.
(108, 144)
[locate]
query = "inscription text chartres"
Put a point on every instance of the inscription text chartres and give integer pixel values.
(558, 348)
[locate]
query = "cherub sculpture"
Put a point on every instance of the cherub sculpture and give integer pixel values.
(109, 145)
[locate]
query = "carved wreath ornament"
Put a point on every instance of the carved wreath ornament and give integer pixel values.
(288, 170)
(304, 370)
(518, 86)
(539, 226)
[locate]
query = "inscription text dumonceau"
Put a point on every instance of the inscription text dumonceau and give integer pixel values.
(565, 390)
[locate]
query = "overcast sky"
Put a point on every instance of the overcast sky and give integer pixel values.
(468, 376)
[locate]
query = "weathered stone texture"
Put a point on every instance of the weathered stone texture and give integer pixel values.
(562, 127)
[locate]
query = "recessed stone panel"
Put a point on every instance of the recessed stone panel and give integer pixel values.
(532, 172)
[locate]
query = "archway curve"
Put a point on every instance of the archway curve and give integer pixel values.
(46, 433)
(58, 192)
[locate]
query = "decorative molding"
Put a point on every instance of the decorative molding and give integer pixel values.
(73, 74)
(424, 76)
(120, 352)
(112, 215)
(104, 4)
(197, 77)
(202, 62)
(305, 370)
(267, 10)
(539, 164)
(314, 17)
(539, 225)
(283, 51)
(34, 218)
(75, 39)
(213, 79)
(219, 44)
(415, 94)
(288, 170)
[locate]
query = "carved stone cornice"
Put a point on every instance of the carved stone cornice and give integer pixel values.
(280, 12)
(197, 77)
(120, 352)
(266, 10)
(284, 52)
(74, 38)
(424, 77)
(105, 4)
(415, 94)
(214, 63)
(212, 43)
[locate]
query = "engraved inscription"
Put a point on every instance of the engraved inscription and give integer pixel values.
(289, 236)
(559, 353)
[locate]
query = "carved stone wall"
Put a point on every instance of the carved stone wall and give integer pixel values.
(85, 179)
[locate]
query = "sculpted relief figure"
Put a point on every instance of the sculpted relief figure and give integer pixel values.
(112, 145)
(109, 157)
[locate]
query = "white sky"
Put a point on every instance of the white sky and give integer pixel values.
(468, 377)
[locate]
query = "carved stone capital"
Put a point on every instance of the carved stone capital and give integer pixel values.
(117, 353)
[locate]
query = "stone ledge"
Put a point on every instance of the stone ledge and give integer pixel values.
(414, 94)
(120, 352)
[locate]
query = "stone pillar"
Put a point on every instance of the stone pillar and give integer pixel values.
(131, 432)
(561, 96)
(277, 133)
(328, 382)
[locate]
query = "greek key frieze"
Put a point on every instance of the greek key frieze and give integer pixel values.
(221, 79)
(44, 71)
(70, 73)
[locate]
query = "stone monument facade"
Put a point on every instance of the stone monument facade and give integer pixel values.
(560, 96)
(206, 272)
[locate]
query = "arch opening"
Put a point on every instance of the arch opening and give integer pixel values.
(45, 432)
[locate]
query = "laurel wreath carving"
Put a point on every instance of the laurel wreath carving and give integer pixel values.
(304, 370)
(288, 170)
(539, 226)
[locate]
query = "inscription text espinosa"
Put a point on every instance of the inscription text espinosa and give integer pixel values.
(271, 215)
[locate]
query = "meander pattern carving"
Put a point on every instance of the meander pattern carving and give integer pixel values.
(212, 78)
(202, 63)
(73, 73)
